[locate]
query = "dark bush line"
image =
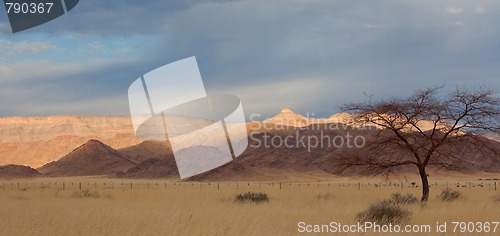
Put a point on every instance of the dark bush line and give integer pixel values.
(251, 197)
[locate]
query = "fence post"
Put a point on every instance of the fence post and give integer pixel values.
(80, 186)
(217, 185)
(280, 185)
(495, 186)
(359, 186)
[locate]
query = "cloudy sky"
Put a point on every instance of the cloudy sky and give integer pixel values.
(310, 56)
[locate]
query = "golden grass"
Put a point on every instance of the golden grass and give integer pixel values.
(201, 209)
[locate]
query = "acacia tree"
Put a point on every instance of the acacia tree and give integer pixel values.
(417, 129)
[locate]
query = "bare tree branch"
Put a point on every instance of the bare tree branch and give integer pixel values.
(425, 126)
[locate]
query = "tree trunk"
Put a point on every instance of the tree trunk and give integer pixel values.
(425, 185)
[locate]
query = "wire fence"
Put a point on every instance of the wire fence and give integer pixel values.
(155, 185)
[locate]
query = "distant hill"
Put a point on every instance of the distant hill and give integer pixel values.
(289, 118)
(154, 160)
(147, 150)
(493, 135)
(17, 171)
(92, 158)
(36, 141)
(152, 168)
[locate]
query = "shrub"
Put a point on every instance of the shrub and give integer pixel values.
(251, 197)
(85, 194)
(449, 195)
(22, 198)
(400, 199)
(384, 212)
(325, 196)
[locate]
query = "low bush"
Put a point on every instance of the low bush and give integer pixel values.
(251, 197)
(449, 195)
(385, 212)
(85, 194)
(325, 196)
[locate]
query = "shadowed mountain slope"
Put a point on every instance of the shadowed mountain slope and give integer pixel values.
(17, 171)
(92, 158)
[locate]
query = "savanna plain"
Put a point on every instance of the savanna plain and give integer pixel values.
(97, 206)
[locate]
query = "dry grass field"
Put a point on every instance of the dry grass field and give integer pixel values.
(157, 207)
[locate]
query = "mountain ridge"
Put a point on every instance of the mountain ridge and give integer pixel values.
(133, 158)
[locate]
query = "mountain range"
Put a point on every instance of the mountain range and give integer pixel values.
(106, 146)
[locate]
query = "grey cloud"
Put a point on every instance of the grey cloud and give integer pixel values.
(323, 53)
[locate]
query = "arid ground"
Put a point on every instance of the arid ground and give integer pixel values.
(97, 206)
